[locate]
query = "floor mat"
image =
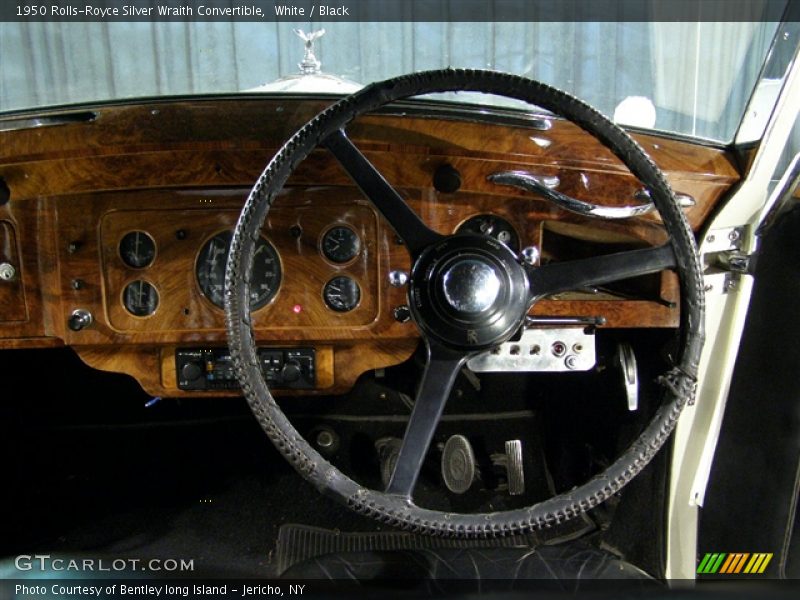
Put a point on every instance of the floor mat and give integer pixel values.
(298, 543)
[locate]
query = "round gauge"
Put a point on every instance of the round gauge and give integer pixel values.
(137, 249)
(210, 271)
(340, 244)
(140, 298)
(493, 226)
(342, 294)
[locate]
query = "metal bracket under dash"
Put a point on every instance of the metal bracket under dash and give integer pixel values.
(553, 349)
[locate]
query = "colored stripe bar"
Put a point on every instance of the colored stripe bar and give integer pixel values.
(765, 563)
(701, 568)
(712, 558)
(727, 564)
(730, 563)
(755, 562)
(715, 567)
(741, 561)
(734, 563)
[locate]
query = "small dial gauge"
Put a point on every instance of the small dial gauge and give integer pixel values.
(341, 244)
(137, 249)
(342, 294)
(140, 298)
(493, 226)
(210, 271)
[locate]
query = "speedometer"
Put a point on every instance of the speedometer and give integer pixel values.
(210, 270)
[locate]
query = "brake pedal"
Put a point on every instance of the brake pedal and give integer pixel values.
(458, 464)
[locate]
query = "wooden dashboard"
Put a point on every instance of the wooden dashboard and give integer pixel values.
(178, 172)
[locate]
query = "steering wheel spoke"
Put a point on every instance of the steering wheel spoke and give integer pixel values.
(575, 274)
(414, 233)
(434, 389)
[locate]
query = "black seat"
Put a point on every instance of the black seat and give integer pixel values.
(511, 566)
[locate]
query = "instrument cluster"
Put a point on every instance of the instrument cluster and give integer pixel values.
(340, 245)
(165, 269)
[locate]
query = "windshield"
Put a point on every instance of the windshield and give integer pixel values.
(693, 79)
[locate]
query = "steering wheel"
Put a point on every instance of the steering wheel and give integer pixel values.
(467, 293)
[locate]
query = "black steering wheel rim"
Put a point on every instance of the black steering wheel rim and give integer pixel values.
(398, 508)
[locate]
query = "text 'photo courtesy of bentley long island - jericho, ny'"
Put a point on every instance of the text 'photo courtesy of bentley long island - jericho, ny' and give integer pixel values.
(497, 294)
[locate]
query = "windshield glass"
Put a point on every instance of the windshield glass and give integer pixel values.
(688, 78)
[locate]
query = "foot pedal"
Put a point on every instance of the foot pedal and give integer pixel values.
(516, 472)
(458, 464)
(630, 374)
(511, 462)
(388, 450)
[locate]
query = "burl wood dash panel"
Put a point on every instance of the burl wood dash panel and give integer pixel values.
(166, 166)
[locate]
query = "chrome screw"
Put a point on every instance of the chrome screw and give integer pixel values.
(7, 272)
(398, 278)
(530, 255)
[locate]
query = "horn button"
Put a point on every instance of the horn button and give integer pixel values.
(470, 285)
(468, 292)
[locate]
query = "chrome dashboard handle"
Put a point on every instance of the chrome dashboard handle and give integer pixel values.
(545, 186)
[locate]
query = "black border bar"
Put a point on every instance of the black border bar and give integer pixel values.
(322, 11)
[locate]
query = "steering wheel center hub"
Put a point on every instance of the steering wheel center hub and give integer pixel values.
(471, 285)
(468, 292)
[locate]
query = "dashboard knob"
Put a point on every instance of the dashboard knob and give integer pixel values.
(402, 313)
(79, 319)
(7, 272)
(191, 371)
(290, 372)
(447, 179)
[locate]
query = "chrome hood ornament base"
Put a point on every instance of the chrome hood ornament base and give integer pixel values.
(310, 79)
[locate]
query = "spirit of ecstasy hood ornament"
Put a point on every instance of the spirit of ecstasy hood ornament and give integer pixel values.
(310, 79)
(309, 65)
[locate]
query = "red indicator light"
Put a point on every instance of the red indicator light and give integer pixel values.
(297, 309)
